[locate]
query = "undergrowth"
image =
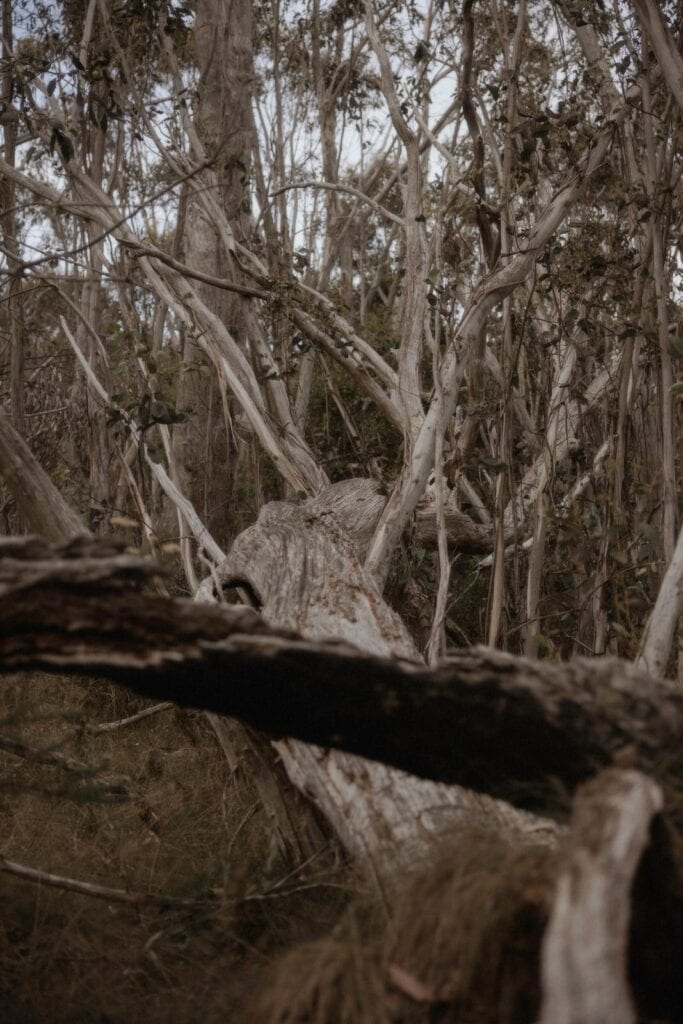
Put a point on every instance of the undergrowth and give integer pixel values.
(161, 812)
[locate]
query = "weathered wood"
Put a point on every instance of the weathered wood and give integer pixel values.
(303, 564)
(38, 501)
(462, 533)
(295, 827)
(584, 959)
(526, 731)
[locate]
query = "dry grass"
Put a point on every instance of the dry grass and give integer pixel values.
(459, 943)
(187, 827)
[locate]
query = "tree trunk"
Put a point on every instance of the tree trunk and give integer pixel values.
(207, 443)
(38, 501)
(304, 564)
(585, 945)
(9, 223)
(492, 718)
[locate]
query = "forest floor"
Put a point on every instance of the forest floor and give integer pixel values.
(160, 812)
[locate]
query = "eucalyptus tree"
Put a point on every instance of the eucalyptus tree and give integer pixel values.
(423, 253)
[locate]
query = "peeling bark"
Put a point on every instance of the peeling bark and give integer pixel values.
(585, 946)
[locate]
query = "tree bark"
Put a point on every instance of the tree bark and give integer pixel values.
(668, 55)
(526, 731)
(206, 444)
(38, 501)
(303, 564)
(585, 945)
(657, 639)
(8, 223)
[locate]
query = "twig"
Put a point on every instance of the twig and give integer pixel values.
(341, 188)
(247, 817)
(19, 749)
(102, 892)
(122, 722)
(105, 892)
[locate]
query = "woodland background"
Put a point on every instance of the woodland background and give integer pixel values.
(400, 284)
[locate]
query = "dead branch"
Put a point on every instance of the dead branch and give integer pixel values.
(106, 892)
(108, 784)
(103, 892)
(585, 945)
(527, 731)
(121, 723)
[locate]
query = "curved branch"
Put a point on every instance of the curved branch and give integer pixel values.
(585, 947)
(345, 189)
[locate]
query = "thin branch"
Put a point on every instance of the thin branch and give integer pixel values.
(121, 723)
(105, 892)
(102, 892)
(342, 188)
(183, 504)
(63, 761)
(143, 249)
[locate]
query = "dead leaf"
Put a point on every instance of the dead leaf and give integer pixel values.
(410, 985)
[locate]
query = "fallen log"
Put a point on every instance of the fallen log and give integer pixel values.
(525, 731)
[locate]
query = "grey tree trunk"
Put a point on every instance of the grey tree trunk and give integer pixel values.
(207, 445)
(39, 503)
(304, 564)
(585, 948)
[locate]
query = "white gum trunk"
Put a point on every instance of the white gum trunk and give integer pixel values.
(304, 564)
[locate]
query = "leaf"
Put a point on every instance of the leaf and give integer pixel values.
(411, 986)
(65, 144)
